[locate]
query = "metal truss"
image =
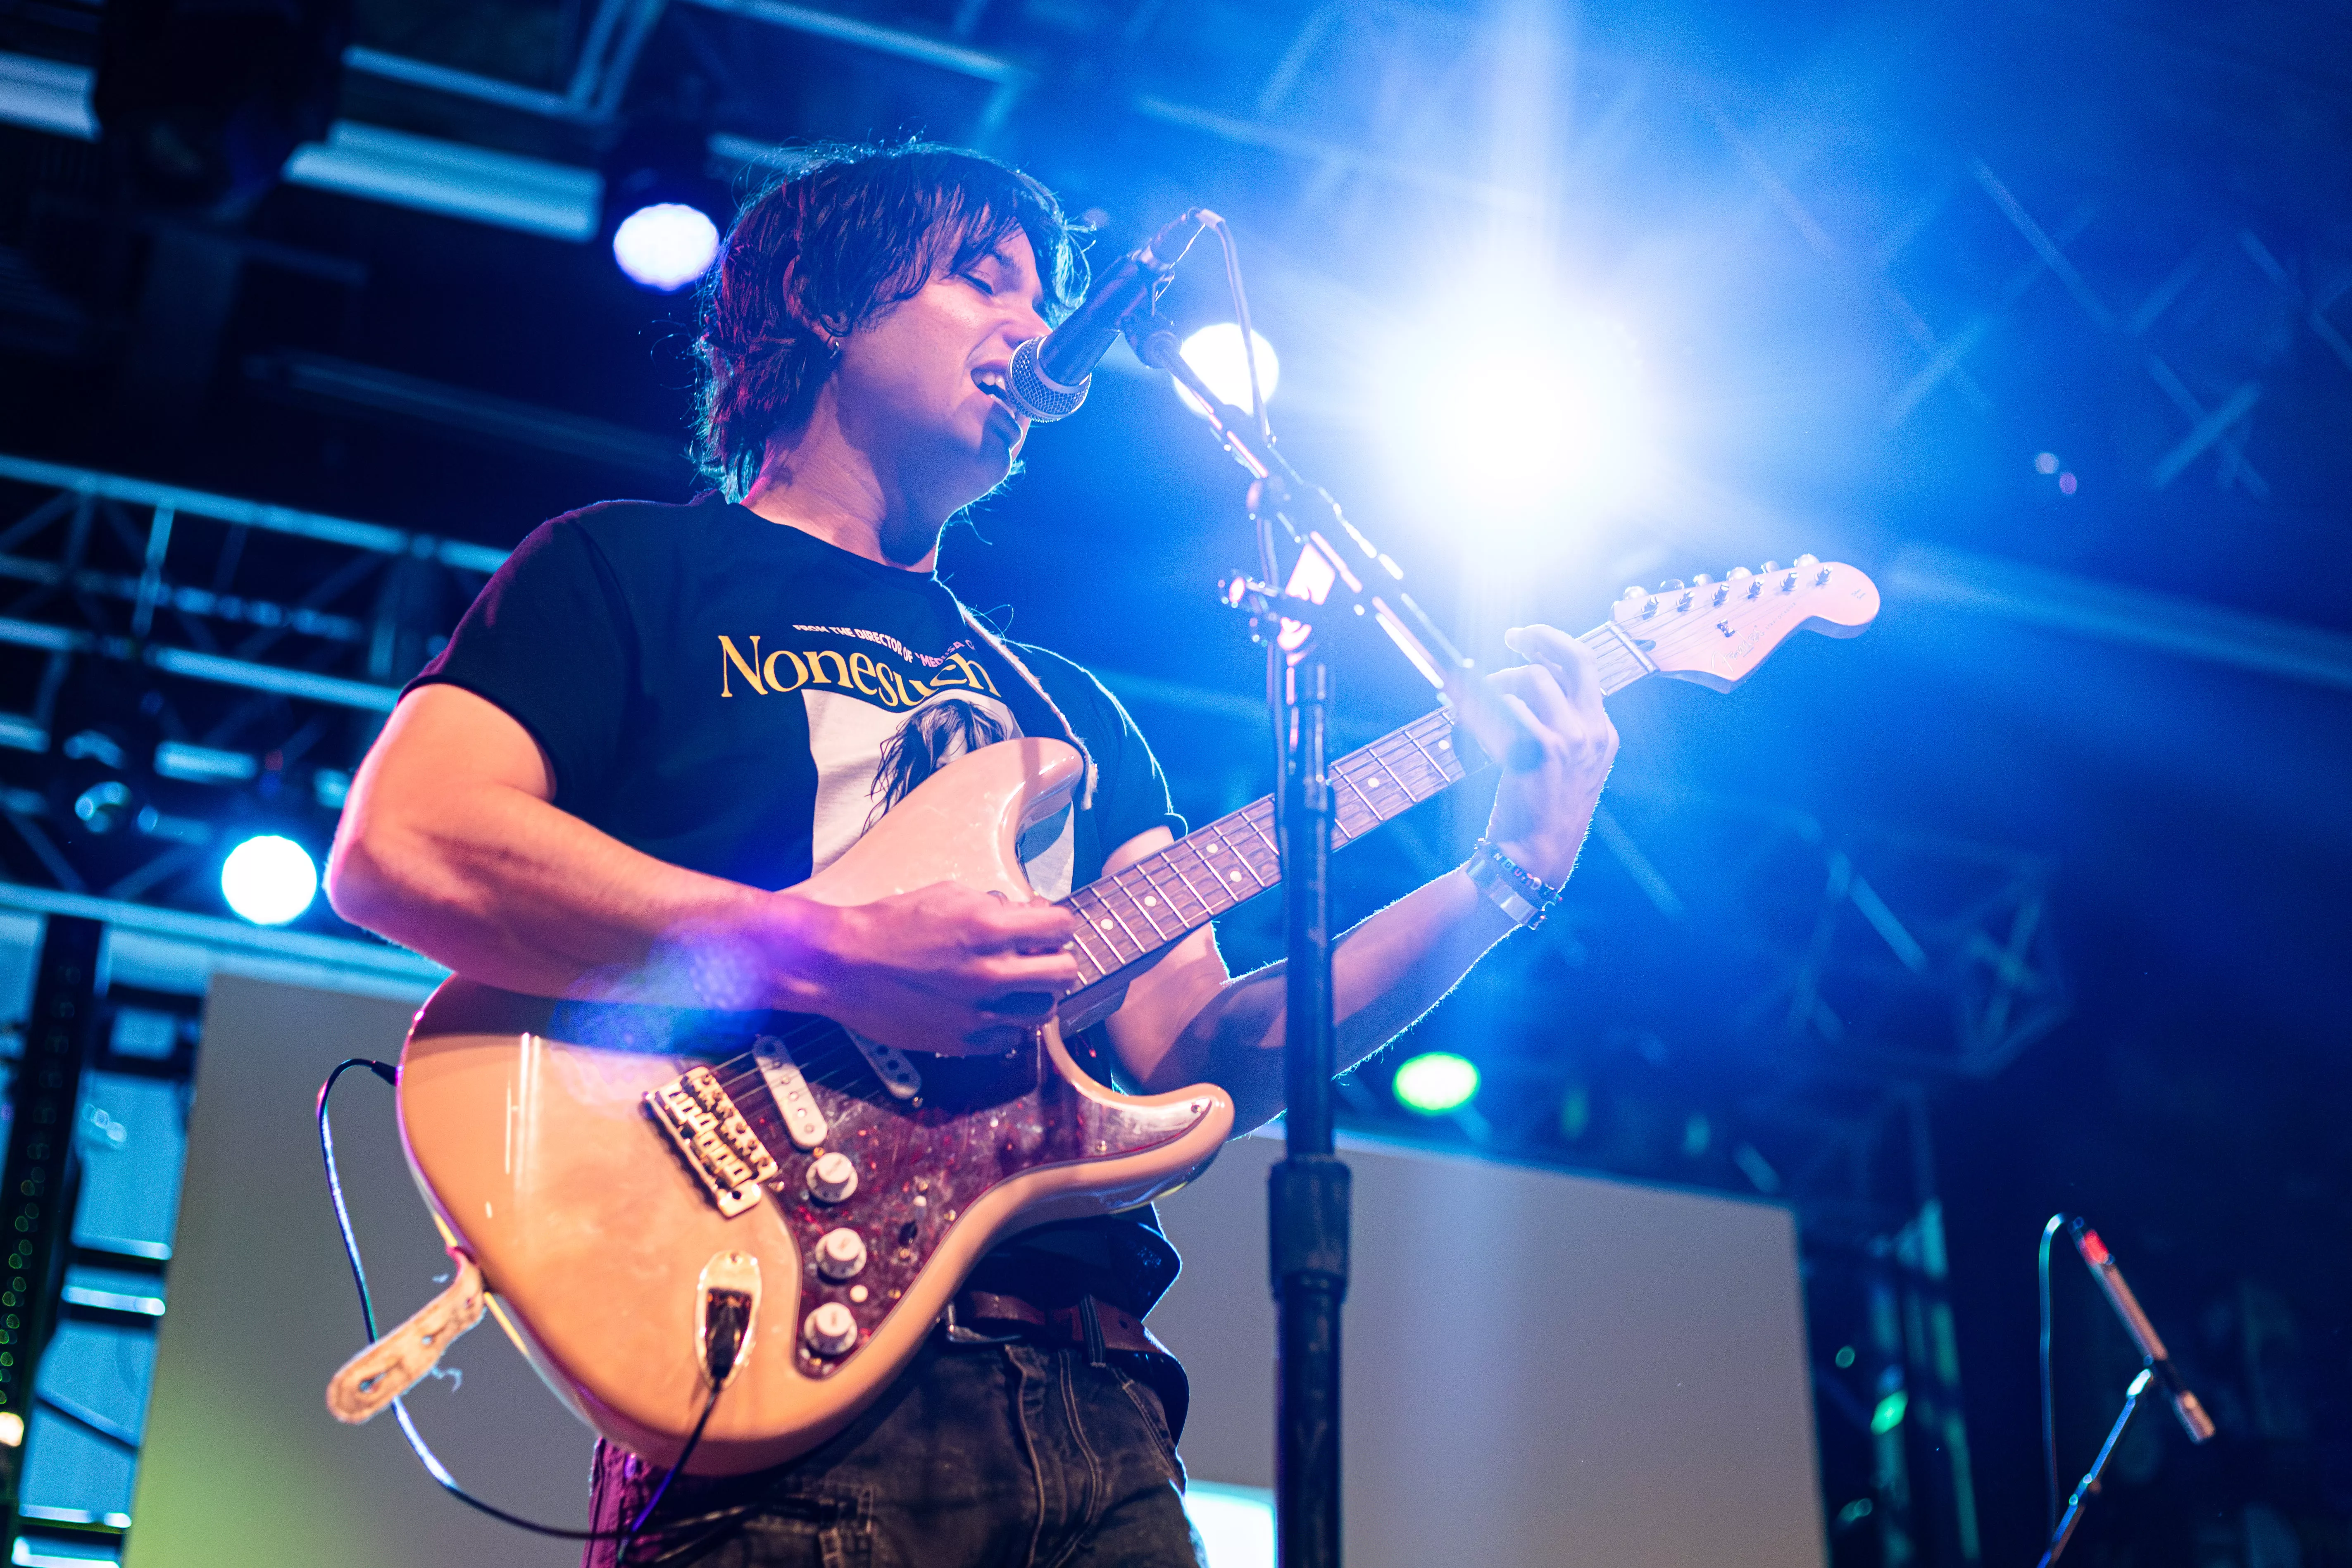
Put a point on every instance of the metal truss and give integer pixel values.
(180, 660)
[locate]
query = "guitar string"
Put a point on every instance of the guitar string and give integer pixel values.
(1670, 638)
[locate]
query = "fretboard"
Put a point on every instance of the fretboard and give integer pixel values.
(1126, 918)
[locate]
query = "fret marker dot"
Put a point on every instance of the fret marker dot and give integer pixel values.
(1149, 901)
(1237, 876)
(1105, 925)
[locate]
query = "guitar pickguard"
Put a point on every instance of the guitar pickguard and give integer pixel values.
(921, 1158)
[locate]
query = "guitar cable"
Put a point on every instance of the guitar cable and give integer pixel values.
(719, 1519)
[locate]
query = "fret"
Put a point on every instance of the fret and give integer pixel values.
(1167, 894)
(1139, 948)
(1144, 905)
(1168, 855)
(1340, 772)
(1246, 864)
(1265, 839)
(1108, 930)
(1618, 664)
(1427, 755)
(1085, 953)
(1394, 771)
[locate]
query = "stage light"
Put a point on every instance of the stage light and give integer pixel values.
(667, 246)
(1436, 1082)
(1215, 355)
(1532, 416)
(270, 879)
(1890, 1413)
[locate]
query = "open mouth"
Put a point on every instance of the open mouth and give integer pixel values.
(991, 379)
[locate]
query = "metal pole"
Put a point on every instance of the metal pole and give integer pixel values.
(1307, 1192)
(36, 1176)
(2090, 1481)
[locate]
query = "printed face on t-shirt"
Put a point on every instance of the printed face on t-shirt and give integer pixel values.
(882, 719)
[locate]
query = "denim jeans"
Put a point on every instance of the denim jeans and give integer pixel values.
(1013, 1456)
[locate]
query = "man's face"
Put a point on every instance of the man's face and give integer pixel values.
(920, 389)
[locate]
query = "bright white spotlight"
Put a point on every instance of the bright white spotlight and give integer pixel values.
(1526, 418)
(270, 879)
(1215, 355)
(667, 246)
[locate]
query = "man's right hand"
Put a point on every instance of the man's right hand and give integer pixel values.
(942, 969)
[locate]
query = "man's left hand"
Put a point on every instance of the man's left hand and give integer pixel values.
(1544, 723)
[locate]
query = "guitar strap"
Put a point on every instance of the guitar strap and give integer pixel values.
(996, 645)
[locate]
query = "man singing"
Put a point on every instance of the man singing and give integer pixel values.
(657, 720)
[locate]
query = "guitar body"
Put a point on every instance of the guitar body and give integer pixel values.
(553, 1142)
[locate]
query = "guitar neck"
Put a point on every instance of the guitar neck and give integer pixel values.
(1126, 918)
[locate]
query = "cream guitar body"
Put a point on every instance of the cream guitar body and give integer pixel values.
(601, 1227)
(637, 1186)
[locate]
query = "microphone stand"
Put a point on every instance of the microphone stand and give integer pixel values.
(2090, 1481)
(1307, 1192)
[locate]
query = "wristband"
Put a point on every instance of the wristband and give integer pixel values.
(1510, 886)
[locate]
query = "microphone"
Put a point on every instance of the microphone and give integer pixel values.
(1050, 374)
(2101, 1264)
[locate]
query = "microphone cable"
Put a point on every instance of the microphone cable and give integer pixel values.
(719, 1519)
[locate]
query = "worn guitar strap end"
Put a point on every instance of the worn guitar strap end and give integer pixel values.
(391, 1365)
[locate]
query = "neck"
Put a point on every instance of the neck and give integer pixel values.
(815, 478)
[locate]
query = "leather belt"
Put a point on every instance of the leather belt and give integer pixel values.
(991, 1314)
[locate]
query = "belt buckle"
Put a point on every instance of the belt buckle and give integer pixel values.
(959, 1334)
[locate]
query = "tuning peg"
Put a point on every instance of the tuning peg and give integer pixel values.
(1633, 591)
(1701, 580)
(1771, 567)
(1671, 585)
(1737, 573)
(1807, 560)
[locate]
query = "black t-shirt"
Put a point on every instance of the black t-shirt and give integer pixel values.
(739, 698)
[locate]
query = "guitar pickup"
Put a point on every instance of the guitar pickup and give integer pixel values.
(718, 1144)
(803, 1123)
(891, 1066)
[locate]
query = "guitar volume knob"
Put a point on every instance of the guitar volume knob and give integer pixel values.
(840, 1253)
(831, 1178)
(830, 1330)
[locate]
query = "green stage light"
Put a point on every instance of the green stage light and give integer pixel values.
(1890, 1412)
(1436, 1083)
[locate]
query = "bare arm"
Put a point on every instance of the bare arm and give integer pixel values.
(1186, 1020)
(450, 845)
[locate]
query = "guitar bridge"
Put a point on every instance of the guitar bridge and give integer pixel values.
(717, 1142)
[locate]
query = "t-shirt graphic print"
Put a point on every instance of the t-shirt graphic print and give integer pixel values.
(882, 719)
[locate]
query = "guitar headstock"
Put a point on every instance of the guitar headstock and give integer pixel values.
(1717, 632)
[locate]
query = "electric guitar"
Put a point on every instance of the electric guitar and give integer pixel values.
(659, 1204)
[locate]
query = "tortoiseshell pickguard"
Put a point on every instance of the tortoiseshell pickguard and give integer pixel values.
(921, 1163)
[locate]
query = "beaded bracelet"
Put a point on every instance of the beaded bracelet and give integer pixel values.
(1511, 887)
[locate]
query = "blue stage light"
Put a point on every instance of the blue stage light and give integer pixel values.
(270, 879)
(1215, 355)
(1542, 416)
(667, 246)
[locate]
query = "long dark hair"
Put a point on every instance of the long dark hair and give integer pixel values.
(821, 252)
